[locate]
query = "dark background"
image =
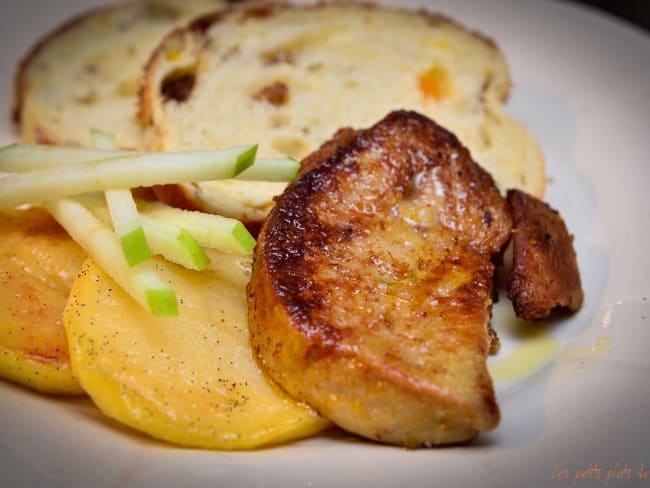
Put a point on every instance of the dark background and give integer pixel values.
(633, 11)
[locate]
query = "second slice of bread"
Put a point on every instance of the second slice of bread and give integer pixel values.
(287, 77)
(86, 73)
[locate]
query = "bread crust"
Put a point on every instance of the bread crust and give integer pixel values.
(372, 283)
(147, 91)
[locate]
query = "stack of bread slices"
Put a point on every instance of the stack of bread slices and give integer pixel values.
(203, 74)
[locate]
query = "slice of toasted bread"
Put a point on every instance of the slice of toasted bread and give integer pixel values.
(372, 284)
(287, 77)
(86, 73)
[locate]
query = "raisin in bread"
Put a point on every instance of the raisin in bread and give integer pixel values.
(287, 77)
(87, 72)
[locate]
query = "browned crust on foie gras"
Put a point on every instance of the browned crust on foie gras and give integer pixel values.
(372, 284)
(544, 273)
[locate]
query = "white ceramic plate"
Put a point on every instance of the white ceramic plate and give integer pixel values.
(577, 416)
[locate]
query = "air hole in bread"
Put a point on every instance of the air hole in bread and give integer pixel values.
(291, 146)
(279, 119)
(87, 98)
(279, 56)
(127, 88)
(486, 137)
(178, 84)
(90, 68)
(230, 52)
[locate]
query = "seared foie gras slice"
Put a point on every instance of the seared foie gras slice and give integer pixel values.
(372, 284)
(544, 273)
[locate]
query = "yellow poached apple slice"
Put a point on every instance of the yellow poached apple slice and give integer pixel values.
(192, 379)
(38, 263)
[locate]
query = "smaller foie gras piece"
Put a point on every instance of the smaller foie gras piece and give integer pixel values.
(372, 284)
(544, 273)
